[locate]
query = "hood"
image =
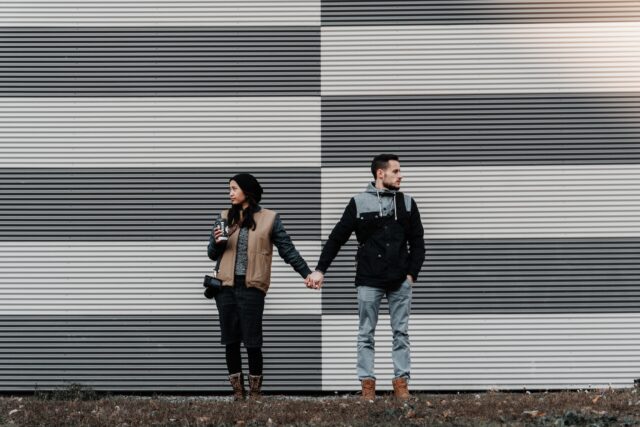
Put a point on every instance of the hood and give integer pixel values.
(371, 188)
(383, 193)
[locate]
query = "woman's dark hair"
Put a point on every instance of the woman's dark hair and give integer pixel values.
(236, 212)
(253, 192)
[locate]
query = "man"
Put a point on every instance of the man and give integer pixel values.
(390, 255)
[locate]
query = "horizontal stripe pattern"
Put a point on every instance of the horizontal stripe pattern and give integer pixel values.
(159, 204)
(397, 12)
(123, 122)
(479, 59)
(449, 130)
(153, 13)
(509, 276)
(483, 352)
(247, 132)
(131, 278)
(190, 61)
(575, 201)
(149, 353)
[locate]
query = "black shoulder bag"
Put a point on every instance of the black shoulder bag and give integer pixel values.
(212, 284)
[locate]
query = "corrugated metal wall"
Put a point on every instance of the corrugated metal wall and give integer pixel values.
(518, 127)
(165, 132)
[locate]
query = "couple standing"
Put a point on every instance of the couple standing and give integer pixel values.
(390, 255)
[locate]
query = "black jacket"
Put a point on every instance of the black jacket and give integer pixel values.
(390, 238)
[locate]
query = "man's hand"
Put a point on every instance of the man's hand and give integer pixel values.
(315, 280)
(410, 279)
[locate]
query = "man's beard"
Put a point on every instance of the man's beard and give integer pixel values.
(390, 186)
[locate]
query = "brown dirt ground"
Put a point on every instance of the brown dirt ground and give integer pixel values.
(82, 407)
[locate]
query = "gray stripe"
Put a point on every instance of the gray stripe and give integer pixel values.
(482, 129)
(143, 204)
(191, 61)
(510, 276)
(149, 353)
(408, 12)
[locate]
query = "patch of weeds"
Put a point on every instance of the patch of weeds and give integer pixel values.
(73, 391)
(571, 418)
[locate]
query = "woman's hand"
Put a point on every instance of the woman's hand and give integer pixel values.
(314, 280)
(217, 233)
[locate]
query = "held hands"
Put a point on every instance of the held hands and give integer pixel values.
(314, 280)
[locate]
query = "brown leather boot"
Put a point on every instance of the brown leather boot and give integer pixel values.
(400, 388)
(237, 382)
(368, 389)
(255, 387)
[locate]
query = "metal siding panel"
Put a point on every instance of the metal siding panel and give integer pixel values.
(406, 12)
(154, 13)
(160, 132)
(480, 59)
(479, 352)
(478, 218)
(506, 201)
(509, 276)
(191, 61)
(484, 130)
(130, 278)
(149, 353)
(144, 204)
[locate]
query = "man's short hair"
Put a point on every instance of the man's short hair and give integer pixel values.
(381, 161)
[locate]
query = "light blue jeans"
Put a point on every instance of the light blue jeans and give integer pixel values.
(369, 299)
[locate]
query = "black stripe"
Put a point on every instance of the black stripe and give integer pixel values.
(143, 204)
(192, 61)
(149, 353)
(510, 276)
(482, 129)
(411, 12)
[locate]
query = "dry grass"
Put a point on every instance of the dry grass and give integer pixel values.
(82, 407)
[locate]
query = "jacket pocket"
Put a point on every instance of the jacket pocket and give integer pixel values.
(261, 269)
(370, 260)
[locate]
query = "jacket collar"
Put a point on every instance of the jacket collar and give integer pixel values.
(385, 192)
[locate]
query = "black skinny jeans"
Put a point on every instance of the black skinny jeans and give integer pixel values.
(240, 309)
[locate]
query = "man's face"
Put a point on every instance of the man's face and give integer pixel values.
(391, 176)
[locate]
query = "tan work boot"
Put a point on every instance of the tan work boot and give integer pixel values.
(255, 387)
(368, 389)
(400, 388)
(237, 383)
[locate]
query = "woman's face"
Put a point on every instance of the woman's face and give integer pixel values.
(236, 194)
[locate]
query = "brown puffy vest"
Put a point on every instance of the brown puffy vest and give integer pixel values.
(259, 253)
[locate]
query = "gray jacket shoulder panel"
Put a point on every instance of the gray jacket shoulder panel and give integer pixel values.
(407, 203)
(368, 202)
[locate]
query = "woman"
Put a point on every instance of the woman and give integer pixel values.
(245, 271)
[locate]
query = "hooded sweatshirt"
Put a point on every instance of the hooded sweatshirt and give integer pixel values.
(390, 238)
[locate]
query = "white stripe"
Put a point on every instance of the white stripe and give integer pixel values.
(447, 59)
(506, 201)
(465, 352)
(153, 13)
(127, 278)
(160, 132)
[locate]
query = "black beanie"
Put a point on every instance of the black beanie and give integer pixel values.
(249, 185)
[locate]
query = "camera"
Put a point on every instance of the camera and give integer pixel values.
(212, 286)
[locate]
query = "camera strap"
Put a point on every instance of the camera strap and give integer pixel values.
(215, 270)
